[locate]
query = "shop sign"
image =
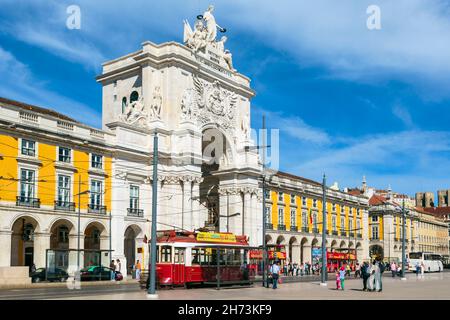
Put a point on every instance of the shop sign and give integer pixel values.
(216, 237)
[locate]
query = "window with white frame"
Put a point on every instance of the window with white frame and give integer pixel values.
(350, 225)
(267, 194)
(333, 223)
(64, 154)
(334, 207)
(281, 216)
(97, 161)
(134, 197)
(304, 219)
(280, 196)
(342, 224)
(268, 215)
(375, 232)
(27, 185)
(293, 218)
(304, 201)
(292, 199)
(96, 194)
(374, 218)
(28, 148)
(315, 221)
(315, 203)
(343, 210)
(63, 190)
(358, 226)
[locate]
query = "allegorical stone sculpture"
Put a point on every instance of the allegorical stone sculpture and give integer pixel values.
(155, 110)
(203, 38)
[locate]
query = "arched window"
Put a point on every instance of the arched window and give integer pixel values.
(63, 234)
(124, 104)
(134, 96)
(28, 232)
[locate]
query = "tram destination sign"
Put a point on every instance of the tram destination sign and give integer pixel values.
(216, 237)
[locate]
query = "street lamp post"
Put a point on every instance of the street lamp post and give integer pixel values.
(324, 232)
(152, 275)
(403, 240)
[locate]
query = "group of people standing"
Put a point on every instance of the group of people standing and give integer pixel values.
(115, 266)
(296, 269)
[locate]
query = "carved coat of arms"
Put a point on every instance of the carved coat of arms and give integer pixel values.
(209, 103)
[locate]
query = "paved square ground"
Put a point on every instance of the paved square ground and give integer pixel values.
(434, 286)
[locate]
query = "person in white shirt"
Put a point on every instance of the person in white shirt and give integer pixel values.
(275, 272)
(393, 269)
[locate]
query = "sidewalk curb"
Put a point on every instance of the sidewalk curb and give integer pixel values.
(45, 285)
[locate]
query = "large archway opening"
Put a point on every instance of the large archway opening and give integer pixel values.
(130, 246)
(216, 155)
(60, 243)
(92, 244)
(376, 252)
(22, 241)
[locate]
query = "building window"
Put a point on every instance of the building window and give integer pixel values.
(28, 232)
(63, 234)
(334, 207)
(333, 223)
(375, 232)
(281, 216)
(342, 224)
(304, 201)
(268, 215)
(358, 226)
(97, 161)
(358, 211)
(96, 194)
(63, 190)
(304, 219)
(315, 221)
(134, 197)
(96, 236)
(343, 210)
(134, 96)
(374, 218)
(280, 196)
(27, 185)
(315, 203)
(267, 194)
(124, 104)
(293, 218)
(64, 155)
(28, 148)
(350, 224)
(292, 199)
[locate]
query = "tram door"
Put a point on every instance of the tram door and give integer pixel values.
(178, 268)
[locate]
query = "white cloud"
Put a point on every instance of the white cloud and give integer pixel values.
(403, 114)
(18, 83)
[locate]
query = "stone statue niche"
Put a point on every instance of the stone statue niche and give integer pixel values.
(202, 40)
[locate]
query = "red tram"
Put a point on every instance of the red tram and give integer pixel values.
(186, 258)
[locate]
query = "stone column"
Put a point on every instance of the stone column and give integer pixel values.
(187, 204)
(41, 244)
(247, 218)
(307, 253)
(197, 213)
(296, 253)
(5, 253)
(224, 208)
(73, 255)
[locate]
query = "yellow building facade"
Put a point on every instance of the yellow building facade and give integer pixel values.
(55, 174)
(294, 209)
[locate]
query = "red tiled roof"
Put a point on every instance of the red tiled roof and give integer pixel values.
(30, 107)
(355, 192)
(377, 200)
(437, 211)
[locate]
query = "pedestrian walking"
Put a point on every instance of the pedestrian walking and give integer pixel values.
(365, 273)
(275, 272)
(118, 266)
(338, 280)
(138, 269)
(371, 280)
(347, 270)
(112, 266)
(342, 273)
(393, 269)
(418, 269)
(357, 270)
(302, 269)
(379, 267)
(422, 269)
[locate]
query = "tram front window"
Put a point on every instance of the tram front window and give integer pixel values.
(166, 254)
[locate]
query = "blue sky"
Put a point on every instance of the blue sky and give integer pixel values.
(348, 101)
